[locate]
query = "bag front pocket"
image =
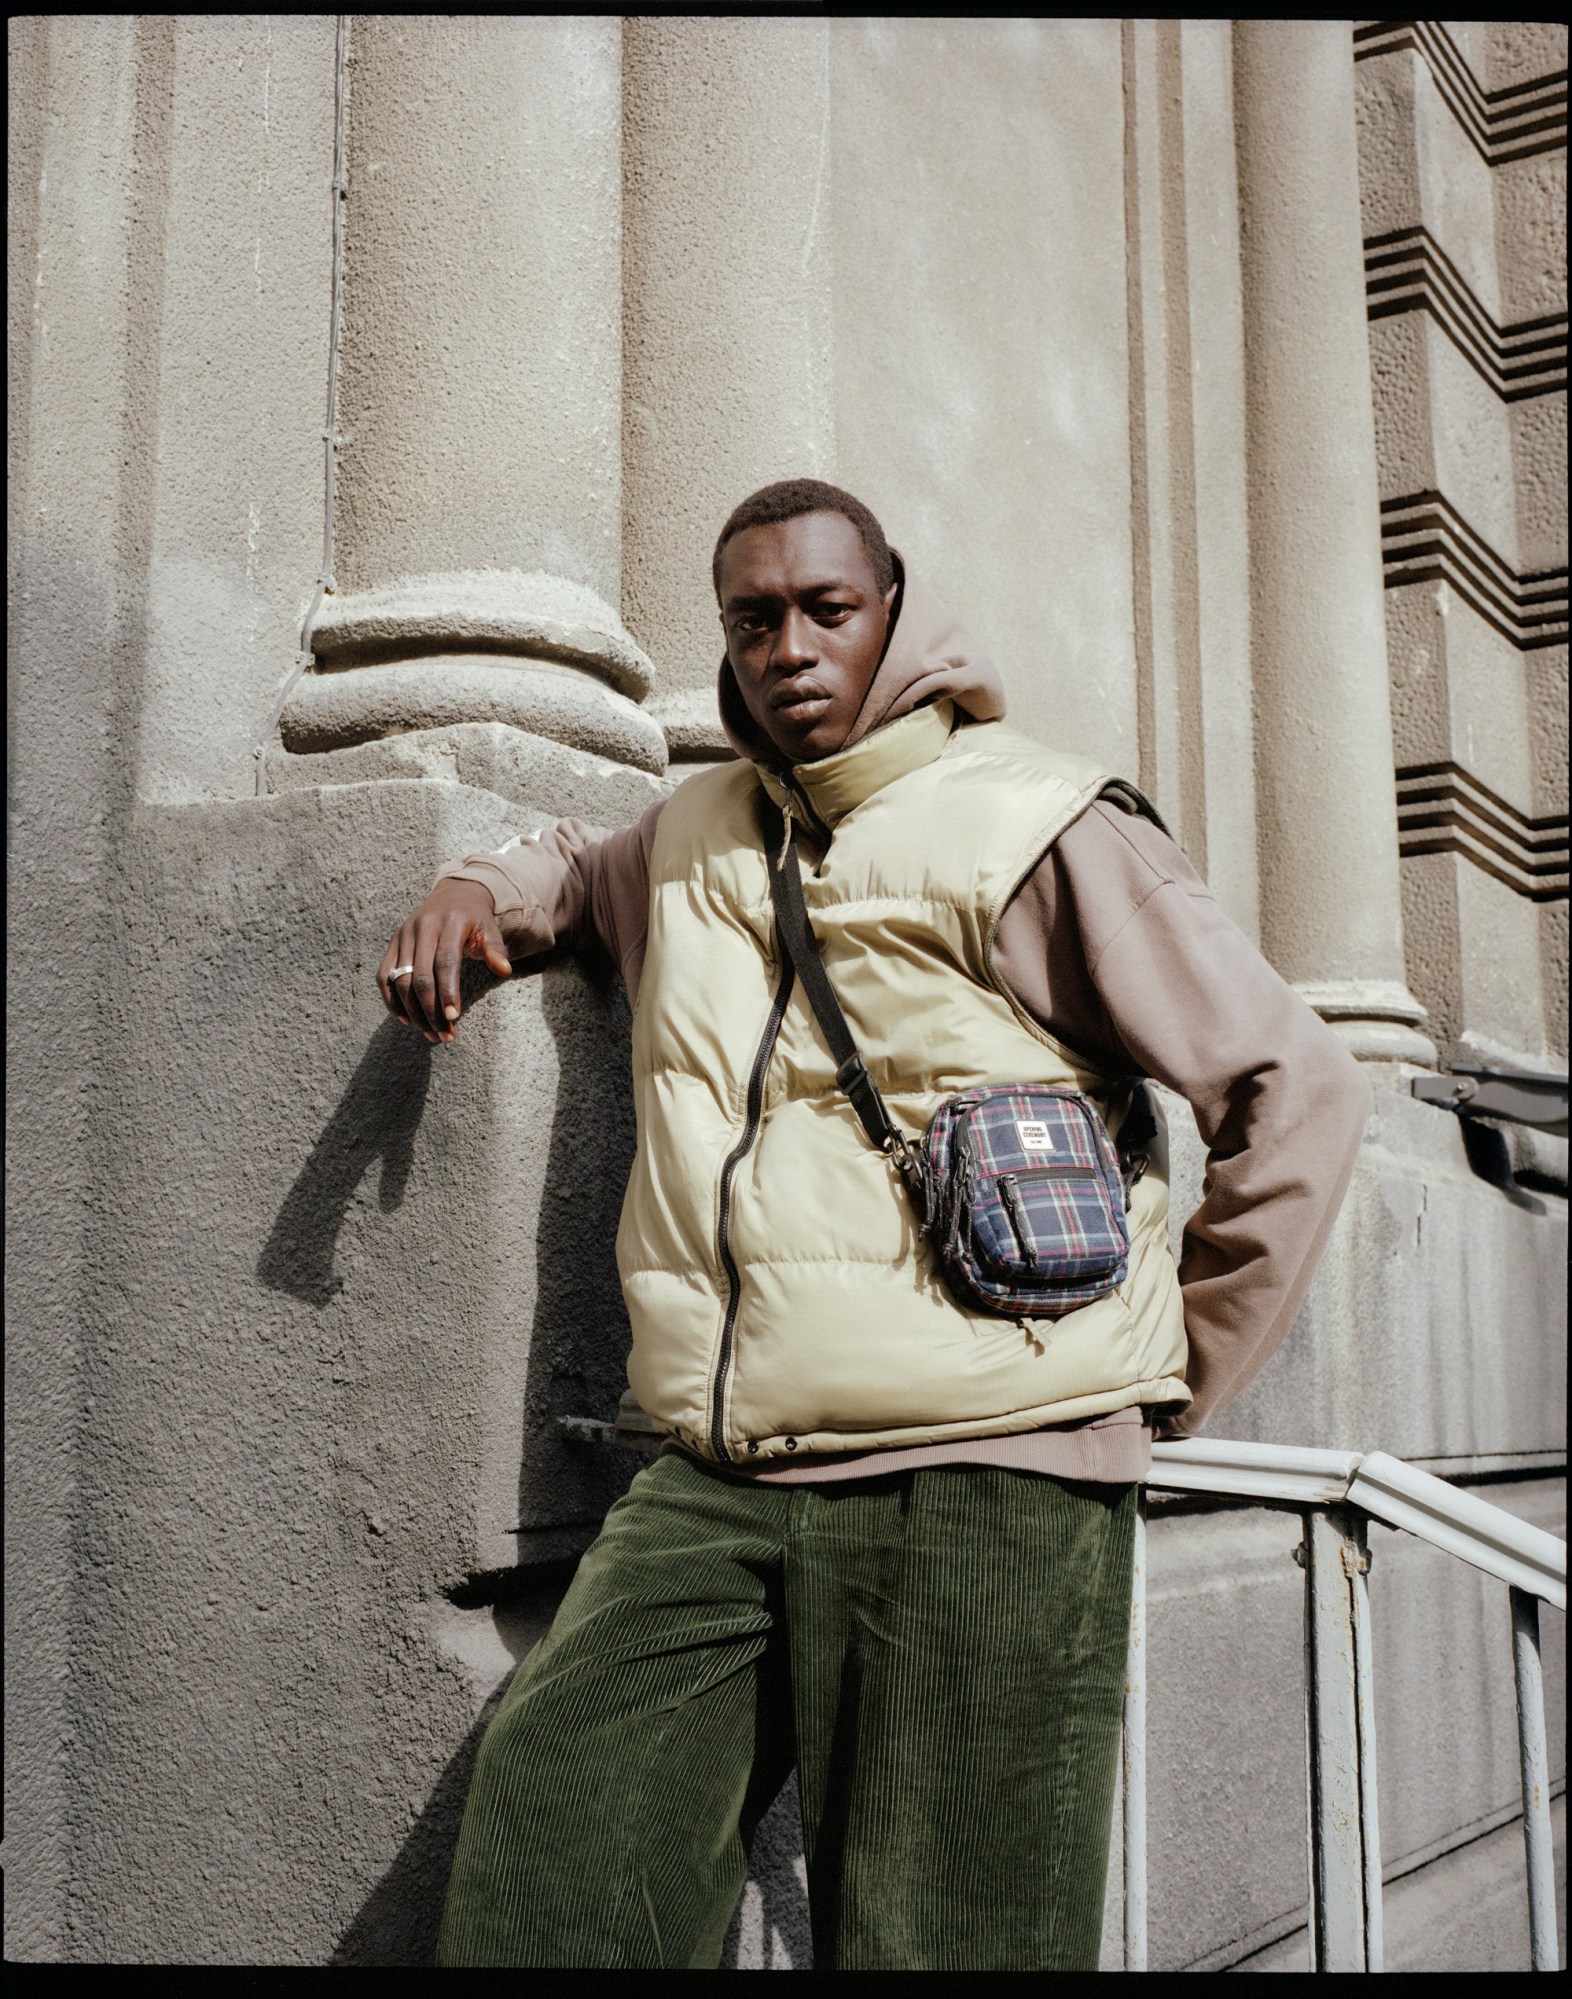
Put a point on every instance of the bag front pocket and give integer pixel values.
(1053, 1223)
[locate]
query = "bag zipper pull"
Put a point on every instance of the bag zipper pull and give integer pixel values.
(1017, 1208)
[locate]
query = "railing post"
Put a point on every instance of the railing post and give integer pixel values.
(1364, 1714)
(1536, 1781)
(1344, 1842)
(1135, 1758)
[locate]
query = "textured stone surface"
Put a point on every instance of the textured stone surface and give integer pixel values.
(1214, 352)
(343, 1293)
(225, 366)
(1531, 234)
(1409, 1338)
(1485, 262)
(1465, 1911)
(690, 721)
(965, 153)
(294, 1301)
(68, 306)
(1539, 456)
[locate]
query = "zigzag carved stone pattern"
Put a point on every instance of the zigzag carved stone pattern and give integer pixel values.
(1424, 538)
(1406, 270)
(1444, 809)
(1508, 124)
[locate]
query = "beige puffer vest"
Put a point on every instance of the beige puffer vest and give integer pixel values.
(781, 1297)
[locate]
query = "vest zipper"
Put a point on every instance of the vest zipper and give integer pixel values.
(750, 1131)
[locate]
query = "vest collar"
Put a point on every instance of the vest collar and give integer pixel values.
(836, 785)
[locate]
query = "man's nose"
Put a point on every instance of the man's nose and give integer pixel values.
(794, 646)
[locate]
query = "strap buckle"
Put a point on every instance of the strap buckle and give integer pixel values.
(914, 1172)
(852, 1074)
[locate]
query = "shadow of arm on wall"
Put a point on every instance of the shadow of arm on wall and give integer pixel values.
(377, 1118)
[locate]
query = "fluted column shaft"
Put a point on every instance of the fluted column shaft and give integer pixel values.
(478, 523)
(727, 273)
(1331, 916)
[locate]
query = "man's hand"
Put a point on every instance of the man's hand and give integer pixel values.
(456, 921)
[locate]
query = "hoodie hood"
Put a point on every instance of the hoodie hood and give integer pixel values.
(928, 656)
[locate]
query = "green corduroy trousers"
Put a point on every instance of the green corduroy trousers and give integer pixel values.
(941, 1653)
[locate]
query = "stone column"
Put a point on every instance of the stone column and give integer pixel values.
(1331, 918)
(478, 525)
(726, 135)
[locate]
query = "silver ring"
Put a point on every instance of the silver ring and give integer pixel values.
(398, 972)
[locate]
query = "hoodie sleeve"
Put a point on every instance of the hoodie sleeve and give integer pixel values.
(1118, 947)
(574, 884)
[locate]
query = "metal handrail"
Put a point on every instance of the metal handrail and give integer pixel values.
(1336, 1492)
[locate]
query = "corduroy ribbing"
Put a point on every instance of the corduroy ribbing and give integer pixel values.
(941, 1651)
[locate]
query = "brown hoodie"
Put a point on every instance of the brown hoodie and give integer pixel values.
(1116, 946)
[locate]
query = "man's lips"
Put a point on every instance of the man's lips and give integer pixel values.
(796, 697)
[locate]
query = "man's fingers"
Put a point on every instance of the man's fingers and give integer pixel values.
(390, 988)
(420, 988)
(403, 1007)
(494, 951)
(478, 937)
(447, 959)
(433, 944)
(408, 965)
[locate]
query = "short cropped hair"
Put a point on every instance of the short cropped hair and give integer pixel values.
(788, 498)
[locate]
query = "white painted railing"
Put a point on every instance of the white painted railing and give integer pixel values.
(1337, 1492)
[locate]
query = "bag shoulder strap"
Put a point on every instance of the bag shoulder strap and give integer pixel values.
(1136, 803)
(802, 947)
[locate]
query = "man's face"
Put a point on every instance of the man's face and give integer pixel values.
(805, 626)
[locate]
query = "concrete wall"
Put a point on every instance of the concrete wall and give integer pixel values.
(1146, 340)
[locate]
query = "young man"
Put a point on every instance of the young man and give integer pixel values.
(890, 1541)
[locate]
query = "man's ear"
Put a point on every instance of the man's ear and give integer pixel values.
(891, 600)
(892, 596)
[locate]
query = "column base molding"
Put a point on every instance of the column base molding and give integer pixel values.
(543, 778)
(527, 614)
(520, 648)
(330, 711)
(1378, 1020)
(690, 720)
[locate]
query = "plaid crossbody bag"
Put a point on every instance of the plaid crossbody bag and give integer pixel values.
(1017, 1185)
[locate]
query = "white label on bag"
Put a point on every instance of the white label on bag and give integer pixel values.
(1034, 1135)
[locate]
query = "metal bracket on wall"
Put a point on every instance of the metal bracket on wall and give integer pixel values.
(1519, 1098)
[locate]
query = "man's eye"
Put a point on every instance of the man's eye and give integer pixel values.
(833, 613)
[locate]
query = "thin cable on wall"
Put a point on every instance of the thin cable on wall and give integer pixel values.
(325, 581)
